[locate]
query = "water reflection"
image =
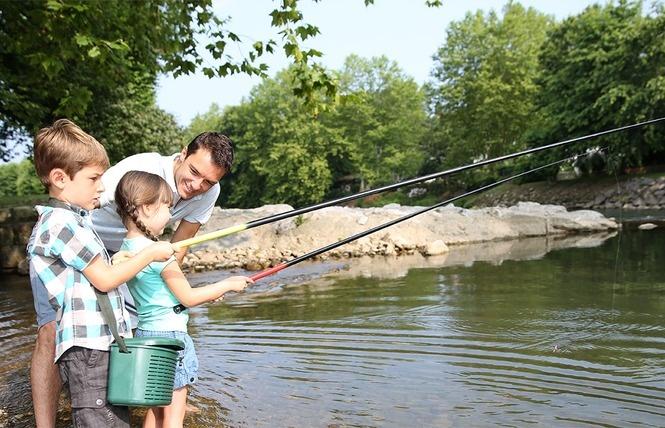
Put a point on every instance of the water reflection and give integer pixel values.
(549, 332)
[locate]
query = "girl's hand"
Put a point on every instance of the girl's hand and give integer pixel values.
(121, 256)
(237, 283)
(161, 251)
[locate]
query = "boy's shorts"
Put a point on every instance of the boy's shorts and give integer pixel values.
(187, 367)
(85, 371)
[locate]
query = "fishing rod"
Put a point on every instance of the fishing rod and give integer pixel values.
(281, 216)
(281, 266)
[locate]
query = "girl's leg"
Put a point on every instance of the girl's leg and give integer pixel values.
(154, 418)
(174, 414)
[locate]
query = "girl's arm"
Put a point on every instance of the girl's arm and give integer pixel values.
(105, 278)
(189, 296)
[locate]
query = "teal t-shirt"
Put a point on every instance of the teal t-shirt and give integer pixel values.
(154, 300)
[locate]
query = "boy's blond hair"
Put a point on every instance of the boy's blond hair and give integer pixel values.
(66, 146)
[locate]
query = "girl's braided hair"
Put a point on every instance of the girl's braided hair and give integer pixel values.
(136, 189)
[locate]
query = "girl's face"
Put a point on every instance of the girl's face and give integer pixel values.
(156, 217)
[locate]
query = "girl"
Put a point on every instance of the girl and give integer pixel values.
(143, 200)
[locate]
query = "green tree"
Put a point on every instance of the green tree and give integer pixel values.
(208, 121)
(383, 117)
(132, 123)
(284, 153)
(601, 69)
(19, 179)
(483, 93)
(59, 57)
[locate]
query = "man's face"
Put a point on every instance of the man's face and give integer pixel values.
(196, 174)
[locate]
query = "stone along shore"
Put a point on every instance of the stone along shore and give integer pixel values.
(429, 234)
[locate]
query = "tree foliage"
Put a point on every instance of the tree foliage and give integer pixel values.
(132, 123)
(59, 57)
(383, 118)
(484, 84)
(284, 153)
(287, 152)
(19, 179)
(602, 69)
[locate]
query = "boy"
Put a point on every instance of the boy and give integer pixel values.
(69, 268)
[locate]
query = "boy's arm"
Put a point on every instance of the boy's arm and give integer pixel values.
(105, 278)
(189, 296)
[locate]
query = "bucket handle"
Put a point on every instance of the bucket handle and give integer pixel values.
(107, 313)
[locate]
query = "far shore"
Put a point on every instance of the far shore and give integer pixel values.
(435, 233)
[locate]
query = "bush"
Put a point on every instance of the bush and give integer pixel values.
(19, 179)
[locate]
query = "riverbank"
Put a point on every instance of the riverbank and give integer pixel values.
(602, 193)
(429, 234)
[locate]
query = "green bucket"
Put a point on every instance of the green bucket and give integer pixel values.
(143, 376)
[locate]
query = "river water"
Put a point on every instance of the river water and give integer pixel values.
(551, 333)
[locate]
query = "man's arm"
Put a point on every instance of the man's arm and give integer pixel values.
(185, 230)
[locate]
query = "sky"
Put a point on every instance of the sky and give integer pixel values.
(406, 31)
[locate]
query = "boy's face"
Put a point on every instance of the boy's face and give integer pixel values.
(196, 174)
(85, 188)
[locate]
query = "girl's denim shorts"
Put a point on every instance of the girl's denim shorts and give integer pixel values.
(187, 367)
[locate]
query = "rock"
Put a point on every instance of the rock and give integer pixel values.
(11, 257)
(252, 266)
(435, 248)
(647, 226)
(20, 214)
(23, 267)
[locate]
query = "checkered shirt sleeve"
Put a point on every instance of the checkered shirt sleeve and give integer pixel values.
(60, 248)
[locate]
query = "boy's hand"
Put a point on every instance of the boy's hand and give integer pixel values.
(161, 251)
(121, 256)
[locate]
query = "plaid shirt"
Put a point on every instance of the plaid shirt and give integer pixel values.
(62, 244)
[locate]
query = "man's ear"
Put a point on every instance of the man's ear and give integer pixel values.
(183, 153)
(58, 177)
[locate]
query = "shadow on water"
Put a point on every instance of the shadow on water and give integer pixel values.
(551, 332)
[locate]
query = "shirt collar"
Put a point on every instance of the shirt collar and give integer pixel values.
(168, 166)
(56, 203)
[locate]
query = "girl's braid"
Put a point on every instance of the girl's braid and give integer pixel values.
(134, 215)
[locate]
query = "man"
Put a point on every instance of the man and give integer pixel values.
(193, 175)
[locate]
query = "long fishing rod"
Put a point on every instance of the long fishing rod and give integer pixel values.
(281, 216)
(281, 266)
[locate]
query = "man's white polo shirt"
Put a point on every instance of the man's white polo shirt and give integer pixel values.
(106, 220)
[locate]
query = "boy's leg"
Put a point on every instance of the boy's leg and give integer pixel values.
(85, 371)
(45, 377)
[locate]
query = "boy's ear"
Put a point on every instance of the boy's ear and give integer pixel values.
(58, 178)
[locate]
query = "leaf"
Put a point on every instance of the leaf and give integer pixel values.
(82, 40)
(93, 52)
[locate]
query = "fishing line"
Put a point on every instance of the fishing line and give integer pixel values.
(281, 266)
(618, 251)
(281, 216)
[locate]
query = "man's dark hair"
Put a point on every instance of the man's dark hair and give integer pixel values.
(220, 147)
